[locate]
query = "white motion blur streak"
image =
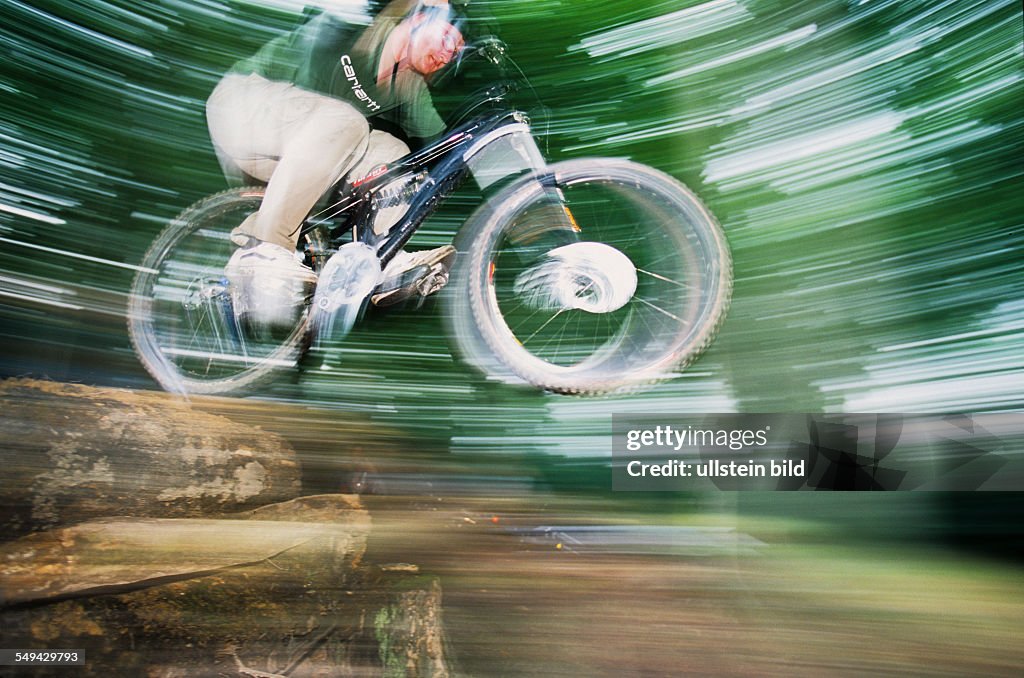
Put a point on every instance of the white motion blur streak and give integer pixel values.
(76, 255)
(919, 375)
(38, 216)
(353, 11)
(768, 45)
(796, 148)
(38, 293)
(849, 68)
(224, 357)
(661, 31)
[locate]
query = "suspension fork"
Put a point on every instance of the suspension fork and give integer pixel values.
(510, 150)
(554, 224)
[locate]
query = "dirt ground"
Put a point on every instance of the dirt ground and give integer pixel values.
(518, 607)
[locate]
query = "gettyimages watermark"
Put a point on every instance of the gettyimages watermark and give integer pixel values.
(836, 452)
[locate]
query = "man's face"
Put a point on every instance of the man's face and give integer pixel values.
(432, 44)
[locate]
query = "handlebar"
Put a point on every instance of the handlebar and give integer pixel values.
(509, 80)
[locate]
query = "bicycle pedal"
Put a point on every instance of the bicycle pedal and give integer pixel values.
(432, 282)
(420, 286)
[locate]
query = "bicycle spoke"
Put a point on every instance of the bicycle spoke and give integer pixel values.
(663, 278)
(191, 323)
(661, 310)
(546, 323)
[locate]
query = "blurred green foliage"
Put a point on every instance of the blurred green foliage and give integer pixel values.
(862, 158)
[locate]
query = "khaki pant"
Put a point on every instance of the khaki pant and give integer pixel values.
(297, 141)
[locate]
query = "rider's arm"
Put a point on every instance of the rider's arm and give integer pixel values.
(420, 119)
(416, 121)
(414, 143)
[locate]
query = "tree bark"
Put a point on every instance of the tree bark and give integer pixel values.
(72, 453)
(411, 635)
(273, 583)
(166, 540)
(119, 555)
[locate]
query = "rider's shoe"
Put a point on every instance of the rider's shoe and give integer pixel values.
(412, 274)
(268, 284)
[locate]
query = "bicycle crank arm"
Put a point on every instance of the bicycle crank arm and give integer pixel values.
(344, 285)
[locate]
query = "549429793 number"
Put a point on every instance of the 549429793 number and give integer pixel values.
(42, 657)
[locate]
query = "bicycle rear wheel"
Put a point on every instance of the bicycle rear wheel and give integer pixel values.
(643, 220)
(181, 320)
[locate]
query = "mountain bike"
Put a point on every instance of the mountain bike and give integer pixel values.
(583, 276)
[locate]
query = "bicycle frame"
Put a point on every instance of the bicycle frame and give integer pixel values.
(437, 170)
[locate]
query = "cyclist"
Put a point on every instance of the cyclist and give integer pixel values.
(329, 99)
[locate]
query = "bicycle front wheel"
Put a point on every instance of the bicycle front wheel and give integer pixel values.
(181, 319)
(638, 225)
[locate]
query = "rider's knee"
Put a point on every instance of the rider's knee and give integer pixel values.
(339, 126)
(384, 147)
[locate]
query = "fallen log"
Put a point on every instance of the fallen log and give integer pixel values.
(138, 592)
(73, 453)
(120, 555)
(411, 635)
